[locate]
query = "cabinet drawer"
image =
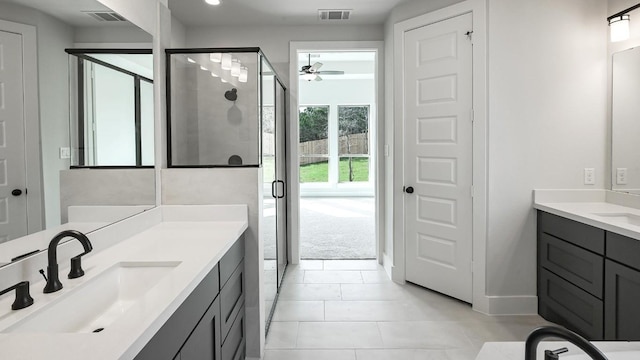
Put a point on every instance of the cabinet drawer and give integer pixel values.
(622, 296)
(233, 347)
(577, 265)
(230, 260)
(232, 299)
(623, 249)
(566, 304)
(580, 234)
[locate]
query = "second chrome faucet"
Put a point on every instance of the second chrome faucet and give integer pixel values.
(53, 280)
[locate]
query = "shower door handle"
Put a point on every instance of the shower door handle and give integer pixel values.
(283, 189)
(273, 189)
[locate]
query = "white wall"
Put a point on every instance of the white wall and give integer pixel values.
(547, 121)
(53, 37)
(274, 40)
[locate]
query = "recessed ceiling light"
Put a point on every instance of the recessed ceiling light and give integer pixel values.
(212, 2)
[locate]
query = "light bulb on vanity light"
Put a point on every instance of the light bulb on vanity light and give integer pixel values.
(619, 27)
(235, 68)
(215, 57)
(244, 75)
(226, 61)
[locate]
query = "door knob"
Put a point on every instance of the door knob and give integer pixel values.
(408, 189)
(16, 192)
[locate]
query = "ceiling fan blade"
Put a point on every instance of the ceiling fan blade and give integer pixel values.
(316, 66)
(318, 78)
(331, 72)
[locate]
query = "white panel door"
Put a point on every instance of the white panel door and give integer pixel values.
(13, 207)
(438, 156)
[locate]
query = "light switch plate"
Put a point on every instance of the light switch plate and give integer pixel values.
(589, 176)
(621, 176)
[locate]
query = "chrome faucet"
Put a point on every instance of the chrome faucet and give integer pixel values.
(53, 281)
(540, 333)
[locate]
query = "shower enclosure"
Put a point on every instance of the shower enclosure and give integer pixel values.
(226, 108)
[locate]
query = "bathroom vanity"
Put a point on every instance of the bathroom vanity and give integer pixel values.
(589, 266)
(165, 284)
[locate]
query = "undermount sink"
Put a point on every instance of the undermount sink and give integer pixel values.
(621, 217)
(615, 355)
(99, 302)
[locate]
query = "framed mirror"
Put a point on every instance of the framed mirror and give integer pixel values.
(48, 193)
(625, 125)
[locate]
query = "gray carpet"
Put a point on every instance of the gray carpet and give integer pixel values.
(337, 228)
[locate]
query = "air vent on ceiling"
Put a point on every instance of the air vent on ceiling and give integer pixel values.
(334, 14)
(105, 16)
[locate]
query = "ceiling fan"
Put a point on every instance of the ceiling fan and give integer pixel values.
(312, 72)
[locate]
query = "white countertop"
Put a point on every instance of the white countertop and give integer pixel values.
(515, 350)
(583, 206)
(198, 245)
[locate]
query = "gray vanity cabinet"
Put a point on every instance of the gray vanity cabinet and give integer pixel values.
(570, 274)
(209, 325)
(622, 288)
(588, 279)
(204, 341)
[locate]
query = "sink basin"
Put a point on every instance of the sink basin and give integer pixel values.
(615, 355)
(99, 302)
(625, 218)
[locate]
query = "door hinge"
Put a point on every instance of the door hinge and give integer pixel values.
(473, 115)
(472, 191)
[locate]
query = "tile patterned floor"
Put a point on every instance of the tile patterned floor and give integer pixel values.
(350, 310)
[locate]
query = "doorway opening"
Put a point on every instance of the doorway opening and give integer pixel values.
(336, 153)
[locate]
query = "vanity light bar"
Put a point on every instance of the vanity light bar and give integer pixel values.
(619, 24)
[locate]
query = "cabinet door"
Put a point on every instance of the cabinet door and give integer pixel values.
(204, 342)
(622, 296)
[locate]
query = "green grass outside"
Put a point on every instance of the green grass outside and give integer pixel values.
(319, 172)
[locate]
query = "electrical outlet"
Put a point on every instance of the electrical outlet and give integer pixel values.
(621, 176)
(589, 176)
(65, 153)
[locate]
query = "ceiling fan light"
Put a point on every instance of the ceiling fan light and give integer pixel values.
(308, 76)
(226, 61)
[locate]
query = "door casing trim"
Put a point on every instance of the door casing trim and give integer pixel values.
(295, 47)
(35, 208)
(480, 140)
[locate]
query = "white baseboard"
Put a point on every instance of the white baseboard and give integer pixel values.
(509, 305)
